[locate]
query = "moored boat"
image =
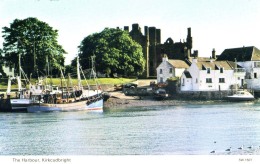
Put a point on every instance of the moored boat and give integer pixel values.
(240, 95)
(70, 99)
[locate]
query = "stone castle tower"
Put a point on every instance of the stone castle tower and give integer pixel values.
(153, 49)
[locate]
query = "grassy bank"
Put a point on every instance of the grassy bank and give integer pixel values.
(57, 81)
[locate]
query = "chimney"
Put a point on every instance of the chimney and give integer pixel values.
(194, 60)
(165, 58)
(195, 53)
(126, 28)
(213, 53)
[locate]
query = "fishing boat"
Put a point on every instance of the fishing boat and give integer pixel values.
(71, 98)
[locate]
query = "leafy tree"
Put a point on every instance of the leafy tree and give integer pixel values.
(37, 44)
(2, 73)
(115, 52)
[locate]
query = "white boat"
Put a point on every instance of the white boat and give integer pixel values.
(241, 95)
(95, 104)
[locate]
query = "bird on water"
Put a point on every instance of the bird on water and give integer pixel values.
(241, 147)
(213, 151)
(229, 149)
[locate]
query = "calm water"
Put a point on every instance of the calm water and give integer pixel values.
(186, 129)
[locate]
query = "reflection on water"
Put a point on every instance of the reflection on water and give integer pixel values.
(199, 128)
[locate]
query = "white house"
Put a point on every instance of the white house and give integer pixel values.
(9, 71)
(170, 68)
(248, 58)
(211, 76)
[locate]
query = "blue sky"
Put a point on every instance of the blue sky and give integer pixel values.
(215, 24)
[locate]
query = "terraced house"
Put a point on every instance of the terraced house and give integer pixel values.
(170, 68)
(248, 58)
(211, 76)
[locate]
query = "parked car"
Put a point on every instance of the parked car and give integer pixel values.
(130, 85)
(160, 94)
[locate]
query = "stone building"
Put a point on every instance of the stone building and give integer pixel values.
(153, 49)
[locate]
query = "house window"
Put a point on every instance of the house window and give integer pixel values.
(257, 64)
(208, 80)
(160, 71)
(183, 82)
(221, 80)
(255, 75)
(221, 70)
(196, 80)
(161, 79)
(170, 71)
(208, 70)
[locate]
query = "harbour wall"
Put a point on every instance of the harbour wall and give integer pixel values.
(201, 95)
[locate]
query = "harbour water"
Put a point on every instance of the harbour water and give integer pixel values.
(191, 129)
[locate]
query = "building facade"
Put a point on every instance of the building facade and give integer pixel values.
(211, 76)
(170, 68)
(248, 58)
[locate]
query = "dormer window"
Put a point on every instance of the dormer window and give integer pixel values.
(208, 70)
(221, 70)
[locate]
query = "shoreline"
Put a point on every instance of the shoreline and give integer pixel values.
(119, 100)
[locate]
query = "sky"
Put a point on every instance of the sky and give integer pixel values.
(218, 24)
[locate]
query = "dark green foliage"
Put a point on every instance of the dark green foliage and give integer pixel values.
(36, 42)
(1, 64)
(115, 52)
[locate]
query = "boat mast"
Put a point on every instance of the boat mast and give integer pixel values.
(93, 73)
(20, 73)
(19, 64)
(236, 75)
(78, 74)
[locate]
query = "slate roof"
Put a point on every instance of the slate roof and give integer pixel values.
(216, 65)
(178, 63)
(241, 54)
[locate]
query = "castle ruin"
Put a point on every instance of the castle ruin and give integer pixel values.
(153, 49)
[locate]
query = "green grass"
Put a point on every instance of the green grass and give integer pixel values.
(57, 81)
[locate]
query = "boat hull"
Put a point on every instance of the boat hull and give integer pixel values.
(95, 106)
(14, 105)
(75, 106)
(233, 98)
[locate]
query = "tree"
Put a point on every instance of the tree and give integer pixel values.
(37, 44)
(2, 73)
(115, 52)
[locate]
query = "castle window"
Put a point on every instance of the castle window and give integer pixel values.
(208, 80)
(255, 75)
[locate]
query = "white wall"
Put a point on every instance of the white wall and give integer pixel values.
(7, 70)
(165, 67)
(199, 79)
